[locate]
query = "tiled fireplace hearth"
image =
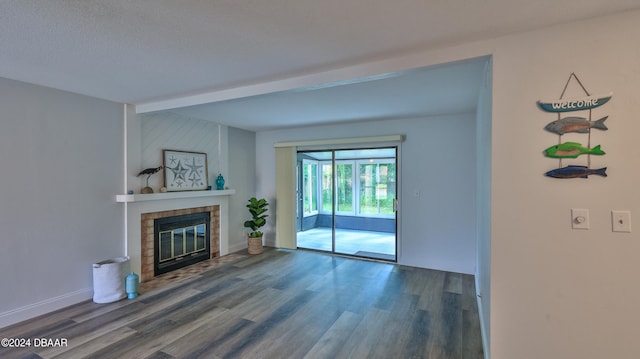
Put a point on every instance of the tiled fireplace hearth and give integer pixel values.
(148, 235)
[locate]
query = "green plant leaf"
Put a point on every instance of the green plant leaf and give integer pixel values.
(257, 209)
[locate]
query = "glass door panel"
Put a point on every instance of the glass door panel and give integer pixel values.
(315, 230)
(354, 211)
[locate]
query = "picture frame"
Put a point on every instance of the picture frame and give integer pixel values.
(185, 171)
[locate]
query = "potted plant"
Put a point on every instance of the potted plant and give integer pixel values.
(258, 209)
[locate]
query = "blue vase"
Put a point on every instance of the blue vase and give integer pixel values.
(132, 284)
(220, 182)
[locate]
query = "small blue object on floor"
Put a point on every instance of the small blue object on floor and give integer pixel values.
(132, 284)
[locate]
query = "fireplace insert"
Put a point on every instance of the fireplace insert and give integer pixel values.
(181, 241)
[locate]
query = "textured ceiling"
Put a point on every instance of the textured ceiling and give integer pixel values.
(136, 51)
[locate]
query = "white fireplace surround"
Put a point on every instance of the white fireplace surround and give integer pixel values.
(137, 204)
(141, 150)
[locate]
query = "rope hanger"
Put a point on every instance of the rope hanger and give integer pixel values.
(573, 75)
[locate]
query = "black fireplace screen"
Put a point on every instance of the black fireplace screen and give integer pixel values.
(181, 241)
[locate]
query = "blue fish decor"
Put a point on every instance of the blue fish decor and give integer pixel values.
(578, 125)
(576, 172)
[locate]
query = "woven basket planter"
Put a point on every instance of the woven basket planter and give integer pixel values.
(255, 245)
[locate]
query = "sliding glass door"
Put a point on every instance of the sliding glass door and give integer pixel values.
(346, 202)
(314, 190)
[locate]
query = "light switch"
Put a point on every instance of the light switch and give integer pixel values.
(621, 221)
(579, 218)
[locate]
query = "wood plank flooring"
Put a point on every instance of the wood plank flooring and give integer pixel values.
(280, 304)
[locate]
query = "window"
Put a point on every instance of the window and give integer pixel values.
(327, 175)
(371, 194)
(377, 187)
(310, 187)
(344, 187)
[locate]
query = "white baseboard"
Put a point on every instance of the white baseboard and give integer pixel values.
(237, 247)
(483, 329)
(243, 245)
(43, 307)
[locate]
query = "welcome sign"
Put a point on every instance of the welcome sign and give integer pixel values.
(579, 104)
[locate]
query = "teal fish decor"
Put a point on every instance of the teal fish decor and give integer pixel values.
(575, 124)
(576, 172)
(572, 150)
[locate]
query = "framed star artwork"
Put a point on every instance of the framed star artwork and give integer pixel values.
(185, 171)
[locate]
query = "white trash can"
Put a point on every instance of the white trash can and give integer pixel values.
(109, 279)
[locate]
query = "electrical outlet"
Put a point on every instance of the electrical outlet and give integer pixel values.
(621, 221)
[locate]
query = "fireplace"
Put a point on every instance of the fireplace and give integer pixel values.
(177, 238)
(180, 241)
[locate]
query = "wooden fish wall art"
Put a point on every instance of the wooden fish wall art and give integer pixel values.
(579, 122)
(572, 150)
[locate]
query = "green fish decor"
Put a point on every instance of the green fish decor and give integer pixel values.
(572, 150)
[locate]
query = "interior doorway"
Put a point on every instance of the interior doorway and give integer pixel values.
(347, 203)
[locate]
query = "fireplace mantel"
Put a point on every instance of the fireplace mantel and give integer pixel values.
(129, 198)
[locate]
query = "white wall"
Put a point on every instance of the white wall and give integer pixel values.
(230, 152)
(558, 292)
(242, 174)
(483, 205)
(437, 229)
(168, 131)
(61, 158)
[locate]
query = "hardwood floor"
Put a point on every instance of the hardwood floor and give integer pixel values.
(280, 304)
